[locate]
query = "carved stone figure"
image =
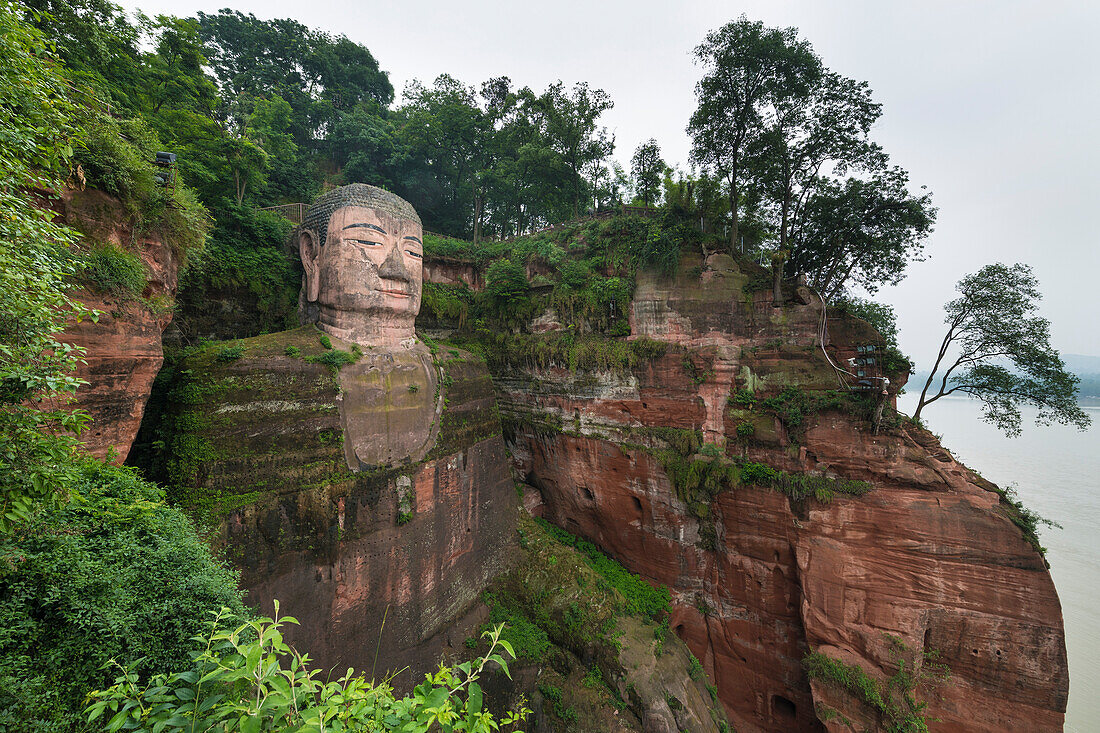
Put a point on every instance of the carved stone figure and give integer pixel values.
(362, 254)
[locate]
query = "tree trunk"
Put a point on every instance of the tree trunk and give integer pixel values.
(778, 259)
(734, 238)
(479, 204)
(237, 183)
(877, 421)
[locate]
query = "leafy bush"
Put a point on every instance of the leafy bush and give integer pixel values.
(249, 679)
(574, 274)
(695, 668)
(115, 573)
(244, 261)
(109, 269)
(793, 405)
(893, 700)
(116, 156)
(506, 281)
(445, 304)
(334, 359)
(230, 353)
(529, 641)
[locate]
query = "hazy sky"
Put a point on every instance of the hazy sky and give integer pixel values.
(992, 105)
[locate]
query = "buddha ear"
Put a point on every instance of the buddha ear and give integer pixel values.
(310, 249)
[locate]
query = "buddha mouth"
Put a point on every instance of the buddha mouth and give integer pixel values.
(396, 293)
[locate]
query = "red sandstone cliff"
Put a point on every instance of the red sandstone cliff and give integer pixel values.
(927, 561)
(123, 347)
(384, 566)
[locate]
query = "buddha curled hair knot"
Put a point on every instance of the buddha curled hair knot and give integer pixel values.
(355, 194)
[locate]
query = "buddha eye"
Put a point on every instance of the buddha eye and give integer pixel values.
(366, 242)
(411, 253)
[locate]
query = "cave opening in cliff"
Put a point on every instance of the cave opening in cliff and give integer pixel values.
(783, 708)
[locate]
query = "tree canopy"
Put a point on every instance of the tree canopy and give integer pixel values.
(647, 168)
(998, 350)
(790, 140)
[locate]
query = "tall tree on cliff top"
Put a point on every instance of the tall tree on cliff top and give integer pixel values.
(97, 45)
(319, 75)
(811, 138)
(749, 69)
(445, 130)
(573, 131)
(647, 168)
(862, 231)
(993, 323)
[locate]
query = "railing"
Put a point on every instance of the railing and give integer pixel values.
(292, 212)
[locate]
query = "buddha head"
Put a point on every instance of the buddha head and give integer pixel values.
(362, 252)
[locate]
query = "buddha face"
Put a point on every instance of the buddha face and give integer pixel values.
(370, 265)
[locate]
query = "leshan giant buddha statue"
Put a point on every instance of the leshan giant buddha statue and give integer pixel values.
(340, 484)
(362, 254)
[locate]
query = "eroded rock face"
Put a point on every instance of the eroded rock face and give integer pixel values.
(445, 271)
(123, 348)
(928, 561)
(389, 558)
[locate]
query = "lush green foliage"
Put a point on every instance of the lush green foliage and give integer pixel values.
(568, 350)
(1028, 520)
(116, 156)
(642, 599)
(109, 269)
(699, 472)
(892, 700)
(245, 260)
(648, 169)
(248, 679)
(114, 573)
(994, 321)
(790, 140)
(36, 270)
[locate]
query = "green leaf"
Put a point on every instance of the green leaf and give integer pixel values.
(473, 699)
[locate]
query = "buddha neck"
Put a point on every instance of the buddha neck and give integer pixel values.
(368, 330)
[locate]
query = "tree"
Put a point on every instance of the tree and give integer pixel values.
(237, 681)
(861, 231)
(749, 68)
(175, 70)
(97, 45)
(810, 138)
(319, 75)
(647, 168)
(572, 130)
(445, 130)
(993, 323)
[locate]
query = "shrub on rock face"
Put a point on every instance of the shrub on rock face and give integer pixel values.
(110, 269)
(114, 573)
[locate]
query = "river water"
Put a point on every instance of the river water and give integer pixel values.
(1056, 472)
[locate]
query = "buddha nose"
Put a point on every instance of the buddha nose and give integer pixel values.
(394, 267)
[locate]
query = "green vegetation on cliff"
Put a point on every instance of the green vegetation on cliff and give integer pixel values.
(891, 701)
(112, 574)
(591, 637)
